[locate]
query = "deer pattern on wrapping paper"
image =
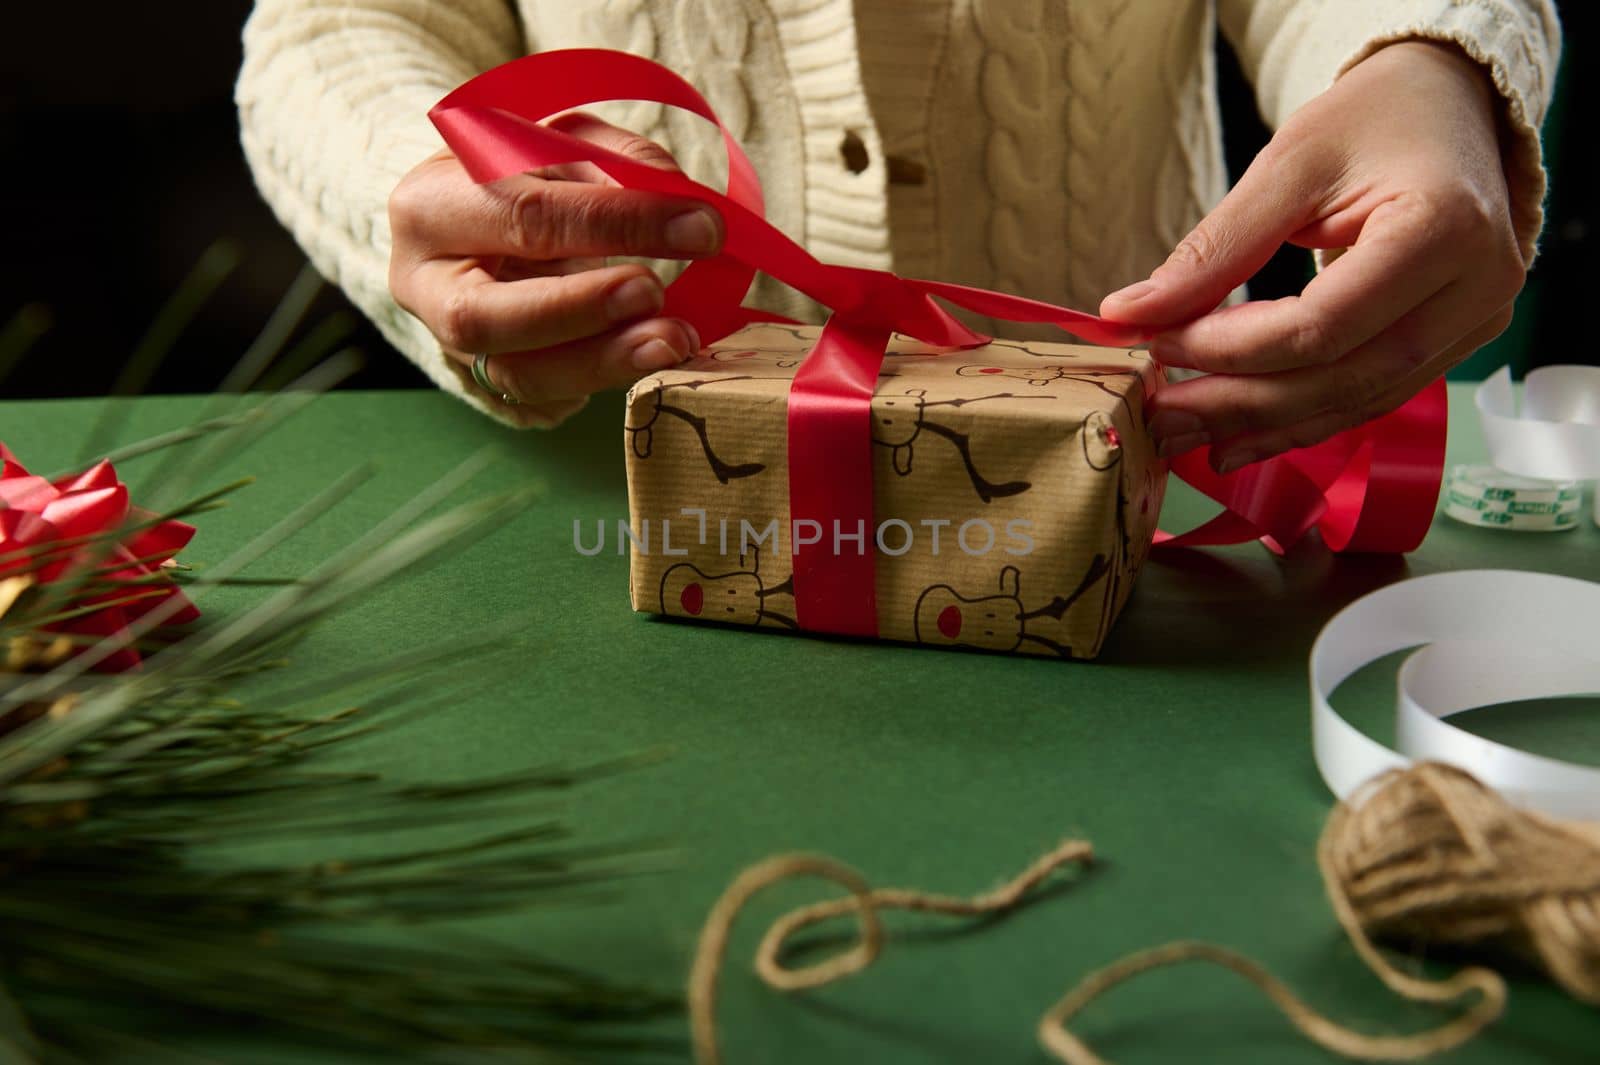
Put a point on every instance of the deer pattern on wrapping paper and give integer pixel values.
(1001, 622)
(737, 597)
(997, 622)
(736, 356)
(898, 423)
(1042, 376)
(641, 425)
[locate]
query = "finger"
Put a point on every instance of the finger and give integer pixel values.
(1401, 260)
(587, 127)
(438, 211)
(1225, 406)
(1248, 449)
(1278, 195)
(469, 311)
(1255, 447)
(611, 360)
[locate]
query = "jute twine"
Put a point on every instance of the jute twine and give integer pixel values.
(1426, 854)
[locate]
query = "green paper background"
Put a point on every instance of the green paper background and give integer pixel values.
(1182, 753)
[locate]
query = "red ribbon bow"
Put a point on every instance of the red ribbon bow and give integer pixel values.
(1372, 488)
(56, 523)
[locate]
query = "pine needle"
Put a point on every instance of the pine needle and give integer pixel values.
(105, 896)
(133, 807)
(16, 338)
(213, 268)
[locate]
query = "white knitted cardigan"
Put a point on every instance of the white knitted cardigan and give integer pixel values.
(1053, 148)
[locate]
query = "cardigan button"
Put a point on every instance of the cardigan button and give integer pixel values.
(853, 150)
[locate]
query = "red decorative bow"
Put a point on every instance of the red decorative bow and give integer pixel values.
(47, 531)
(1369, 489)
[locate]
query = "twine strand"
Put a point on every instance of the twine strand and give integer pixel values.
(862, 900)
(1425, 854)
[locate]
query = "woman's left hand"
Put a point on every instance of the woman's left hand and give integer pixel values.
(1399, 162)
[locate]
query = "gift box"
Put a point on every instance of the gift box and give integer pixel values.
(1014, 491)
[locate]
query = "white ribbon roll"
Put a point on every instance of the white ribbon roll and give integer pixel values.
(1486, 637)
(1556, 435)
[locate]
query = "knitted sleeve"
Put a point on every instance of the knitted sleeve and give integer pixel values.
(333, 99)
(1294, 49)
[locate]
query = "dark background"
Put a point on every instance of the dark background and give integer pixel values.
(122, 167)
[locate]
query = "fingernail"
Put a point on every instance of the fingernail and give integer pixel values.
(1177, 445)
(693, 232)
(634, 298)
(1170, 424)
(694, 338)
(1134, 292)
(655, 354)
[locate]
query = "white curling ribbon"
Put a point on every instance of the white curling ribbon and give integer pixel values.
(1556, 434)
(1485, 637)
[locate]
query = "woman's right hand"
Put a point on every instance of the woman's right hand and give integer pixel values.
(516, 269)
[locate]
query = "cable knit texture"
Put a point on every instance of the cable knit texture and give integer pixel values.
(1053, 148)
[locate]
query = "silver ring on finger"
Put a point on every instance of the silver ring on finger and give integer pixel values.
(480, 374)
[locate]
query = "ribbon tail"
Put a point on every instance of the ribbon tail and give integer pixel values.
(1270, 499)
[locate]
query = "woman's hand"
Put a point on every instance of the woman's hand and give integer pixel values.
(1400, 163)
(516, 269)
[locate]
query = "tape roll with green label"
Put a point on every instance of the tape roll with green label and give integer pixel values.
(1491, 498)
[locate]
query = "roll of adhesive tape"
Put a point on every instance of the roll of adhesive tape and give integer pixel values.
(1483, 495)
(1484, 637)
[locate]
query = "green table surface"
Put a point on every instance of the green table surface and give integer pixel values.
(1182, 753)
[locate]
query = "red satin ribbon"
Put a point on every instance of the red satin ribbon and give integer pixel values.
(38, 518)
(1369, 489)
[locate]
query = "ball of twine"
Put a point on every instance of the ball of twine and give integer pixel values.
(1424, 854)
(1431, 855)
